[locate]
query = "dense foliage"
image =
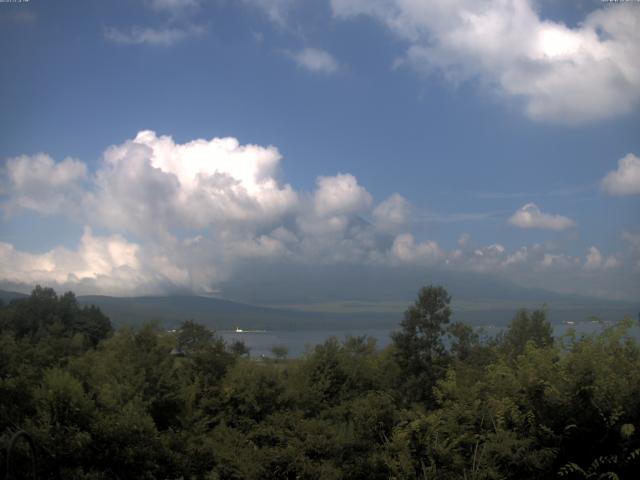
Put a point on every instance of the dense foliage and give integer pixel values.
(147, 403)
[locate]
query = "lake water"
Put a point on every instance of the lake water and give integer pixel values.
(298, 341)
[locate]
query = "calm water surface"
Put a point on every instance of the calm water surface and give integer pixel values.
(298, 341)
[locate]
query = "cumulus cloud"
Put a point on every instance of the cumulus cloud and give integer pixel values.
(195, 209)
(563, 75)
(185, 216)
(157, 37)
(541, 265)
(530, 216)
(340, 195)
(151, 184)
(40, 184)
(405, 249)
(625, 180)
(315, 60)
(331, 224)
(393, 214)
(108, 260)
(537, 260)
(596, 261)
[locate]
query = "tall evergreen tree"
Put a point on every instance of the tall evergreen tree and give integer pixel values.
(419, 349)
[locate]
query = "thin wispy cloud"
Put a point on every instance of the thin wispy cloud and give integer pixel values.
(19, 17)
(276, 10)
(458, 217)
(157, 37)
(173, 5)
(560, 192)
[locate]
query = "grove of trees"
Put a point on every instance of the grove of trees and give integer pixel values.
(441, 402)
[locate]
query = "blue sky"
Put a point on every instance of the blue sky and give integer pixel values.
(498, 126)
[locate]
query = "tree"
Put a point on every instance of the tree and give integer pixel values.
(419, 349)
(238, 348)
(280, 351)
(193, 337)
(526, 328)
(44, 314)
(464, 340)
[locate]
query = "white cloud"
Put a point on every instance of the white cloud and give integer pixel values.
(151, 184)
(393, 214)
(596, 261)
(161, 37)
(534, 262)
(464, 239)
(38, 183)
(340, 195)
(315, 60)
(172, 5)
(227, 196)
(626, 179)
(611, 262)
(277, 10)
(110, 262)
(555, 261)
(530, 216)
(184, 217)
(563, 75)
(406, 250)
(330, 220)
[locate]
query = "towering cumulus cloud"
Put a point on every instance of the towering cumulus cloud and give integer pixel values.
(195, 210)
(151, 185)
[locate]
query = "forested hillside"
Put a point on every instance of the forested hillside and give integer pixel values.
(146, 403)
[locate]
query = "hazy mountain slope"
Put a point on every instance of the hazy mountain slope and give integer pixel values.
(223, 314)
(7, 296)
(353, 298)
(300, 284)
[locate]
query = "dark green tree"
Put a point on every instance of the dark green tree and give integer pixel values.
(464, 340)
(526, 328)
(193, 337)
(419, 349)
(239, 349)
(280, 351)
(44, 313)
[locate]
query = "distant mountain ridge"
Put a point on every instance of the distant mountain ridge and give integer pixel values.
(6, 295)
(222, 314)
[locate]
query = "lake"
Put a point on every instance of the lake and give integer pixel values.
(298, 341)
